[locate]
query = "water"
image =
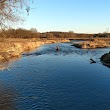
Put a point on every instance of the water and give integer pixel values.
(46, 79)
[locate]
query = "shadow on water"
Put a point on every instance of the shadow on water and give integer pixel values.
(6, 98)
(7, 64)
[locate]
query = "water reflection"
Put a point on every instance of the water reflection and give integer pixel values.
(8, 64)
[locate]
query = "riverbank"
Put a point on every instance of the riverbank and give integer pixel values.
(15, 47)
(95, 43)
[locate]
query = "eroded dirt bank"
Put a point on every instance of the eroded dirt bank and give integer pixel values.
(9, 49)
(96, 43)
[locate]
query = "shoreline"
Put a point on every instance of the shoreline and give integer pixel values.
(11, 49)
(96, 43)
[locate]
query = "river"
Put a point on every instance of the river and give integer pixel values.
(46, 79)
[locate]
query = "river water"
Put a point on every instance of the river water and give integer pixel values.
(46, 79)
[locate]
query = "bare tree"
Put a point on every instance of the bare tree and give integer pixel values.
(11, 10)
(106, 33)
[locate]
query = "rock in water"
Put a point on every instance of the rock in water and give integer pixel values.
(106, 59)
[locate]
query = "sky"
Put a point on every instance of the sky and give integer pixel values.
(79, 16)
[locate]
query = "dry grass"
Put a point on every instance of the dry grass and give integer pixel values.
(13, 47)
(95, 43)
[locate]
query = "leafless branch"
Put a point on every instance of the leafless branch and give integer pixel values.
(10, 11)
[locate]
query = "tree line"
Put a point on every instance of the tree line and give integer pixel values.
(33, 33)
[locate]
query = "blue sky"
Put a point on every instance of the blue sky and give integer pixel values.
(82, 16)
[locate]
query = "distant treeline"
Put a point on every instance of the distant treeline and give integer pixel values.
(32, 33)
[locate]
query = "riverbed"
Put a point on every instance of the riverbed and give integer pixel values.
(46, 79)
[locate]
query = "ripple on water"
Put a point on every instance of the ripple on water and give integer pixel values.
(46, 79)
